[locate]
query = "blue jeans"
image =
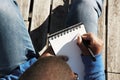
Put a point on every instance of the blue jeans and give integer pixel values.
(15, 42)
(87, 12)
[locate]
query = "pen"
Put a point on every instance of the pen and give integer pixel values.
(86, 43)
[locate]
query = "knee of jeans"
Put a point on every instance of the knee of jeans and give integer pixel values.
(93, 4)
(88, 4)
(8, 14)
(6, 8)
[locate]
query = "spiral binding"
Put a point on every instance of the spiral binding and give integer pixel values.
(64, 31)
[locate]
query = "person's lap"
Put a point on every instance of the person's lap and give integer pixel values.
(15, 41)
(14, 38)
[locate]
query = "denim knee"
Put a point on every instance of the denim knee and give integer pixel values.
(96, 4)
(85, 11)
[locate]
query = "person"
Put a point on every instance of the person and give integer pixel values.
(50, 67)
(16, 48)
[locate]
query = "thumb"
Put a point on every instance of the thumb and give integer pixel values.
(79, 40)
(82, 46)
(85, 37)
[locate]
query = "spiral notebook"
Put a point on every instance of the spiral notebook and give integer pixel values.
(63, 42)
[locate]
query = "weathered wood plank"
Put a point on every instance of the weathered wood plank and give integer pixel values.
(113, 76)
(41, 10)
(58, 15)
(102, 30)
(24, 8)
(39, 23)
(113, 36)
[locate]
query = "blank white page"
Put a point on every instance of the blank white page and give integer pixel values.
(64, 43)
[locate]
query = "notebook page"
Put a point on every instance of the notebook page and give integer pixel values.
(66, 45)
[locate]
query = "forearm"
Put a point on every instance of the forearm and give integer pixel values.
(94, 70)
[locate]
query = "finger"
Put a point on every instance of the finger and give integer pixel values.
(79, 40)
(47, 54)
(49, 50)
(82, 46)
(85, 37)
(88, 36)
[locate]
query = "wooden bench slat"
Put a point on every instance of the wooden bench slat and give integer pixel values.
(113, 36)
(113, 76)
(41, 10)
(102, 30)
(24, 8)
